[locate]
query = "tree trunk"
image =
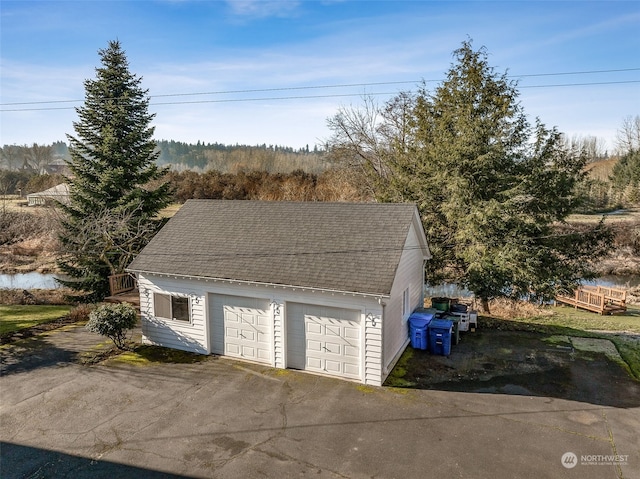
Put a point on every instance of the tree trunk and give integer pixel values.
(484, 306)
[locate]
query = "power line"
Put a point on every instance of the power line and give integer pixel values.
(303, 97)
(338, 85)
(336, 95)
(586, 72)
(581, 84)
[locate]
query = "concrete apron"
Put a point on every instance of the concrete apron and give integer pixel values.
(226, 419)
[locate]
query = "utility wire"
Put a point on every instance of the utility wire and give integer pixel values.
(346, 85)
(301, 97)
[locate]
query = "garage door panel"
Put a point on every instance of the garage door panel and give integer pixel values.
(328, 339)
(333, 367)
(351, 333)
(248, 335)
(351, 351)
(241, 327)
(351, 370)
(333, 331)
(248, 352)
(332, 348)
(313, 326)
(232, 349)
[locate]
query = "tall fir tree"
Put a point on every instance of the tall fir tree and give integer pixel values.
(113, 206)
(491, 188)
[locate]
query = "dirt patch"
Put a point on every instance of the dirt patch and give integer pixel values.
(524, 363)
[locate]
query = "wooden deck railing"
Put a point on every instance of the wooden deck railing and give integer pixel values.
(612, 295)
(598, 299)
(121, 283)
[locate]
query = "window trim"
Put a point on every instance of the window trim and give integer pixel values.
(171, 298)
(406, 303)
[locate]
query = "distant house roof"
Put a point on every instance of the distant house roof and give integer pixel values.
(57, 165)
(59, 193)
(348, 247)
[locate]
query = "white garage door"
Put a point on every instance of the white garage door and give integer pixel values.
(241, 327)
(324, 340)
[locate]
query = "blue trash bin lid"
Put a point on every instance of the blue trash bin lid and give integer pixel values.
(420, 320)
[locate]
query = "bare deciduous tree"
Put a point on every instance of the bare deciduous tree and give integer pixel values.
(10, 155)
(112, 236)
(629, 135)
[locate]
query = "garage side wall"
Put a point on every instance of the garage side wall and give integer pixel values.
(187, 336)
(409, 279)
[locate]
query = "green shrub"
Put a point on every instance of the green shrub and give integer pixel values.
(113, 321)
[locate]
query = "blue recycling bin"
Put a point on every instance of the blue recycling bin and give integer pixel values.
(440, 336)
(418, 324)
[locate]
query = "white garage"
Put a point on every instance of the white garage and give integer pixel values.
(324, 340)
(325, 288)
(241, 327)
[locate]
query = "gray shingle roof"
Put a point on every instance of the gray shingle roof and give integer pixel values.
(351, 247)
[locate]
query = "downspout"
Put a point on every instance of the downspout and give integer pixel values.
(424, 276)
(382, 319)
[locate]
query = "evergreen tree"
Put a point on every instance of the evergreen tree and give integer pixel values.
(625, 177)
(491, 188)
(113, 209)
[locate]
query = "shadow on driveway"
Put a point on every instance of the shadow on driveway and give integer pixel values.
(33, 353)
(55, 348)
(37, 463)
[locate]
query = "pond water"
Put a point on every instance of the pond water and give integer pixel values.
(619, 281)
(28, 281)
(452, 291)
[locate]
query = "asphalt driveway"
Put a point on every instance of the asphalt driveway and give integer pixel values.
(219, 418)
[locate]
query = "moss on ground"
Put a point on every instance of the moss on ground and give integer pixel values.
(397, 377)
(145, 354)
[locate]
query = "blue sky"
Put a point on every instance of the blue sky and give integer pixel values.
(184, 48)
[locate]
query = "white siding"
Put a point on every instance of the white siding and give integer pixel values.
(279, 339)
(373, 354)
(409, 275)
(191, 336)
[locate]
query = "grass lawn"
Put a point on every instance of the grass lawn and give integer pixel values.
(14, 318)
(569, 317)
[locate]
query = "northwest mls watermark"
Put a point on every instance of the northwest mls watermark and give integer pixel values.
(571, 460)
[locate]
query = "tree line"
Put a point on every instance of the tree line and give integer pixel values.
(180, 156)
(491, 187)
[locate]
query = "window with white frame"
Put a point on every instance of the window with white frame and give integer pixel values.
(171, 307)
(406, 305)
